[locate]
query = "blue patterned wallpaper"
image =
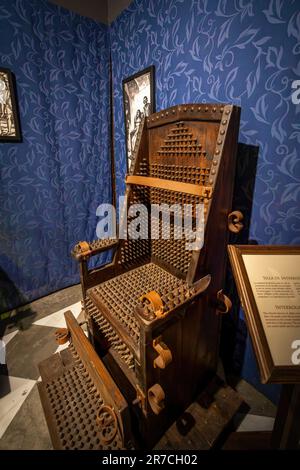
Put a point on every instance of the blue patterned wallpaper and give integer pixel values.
(52, 182)
(242, 51)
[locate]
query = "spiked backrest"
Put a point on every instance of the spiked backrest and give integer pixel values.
(178, 155)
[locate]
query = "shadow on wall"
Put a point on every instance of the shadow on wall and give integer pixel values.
(236, 348)
(234, 330)
(20, 318)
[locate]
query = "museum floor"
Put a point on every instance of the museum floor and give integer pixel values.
(28, 338)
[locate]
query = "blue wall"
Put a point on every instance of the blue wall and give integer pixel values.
(52, 182)
(245, 52)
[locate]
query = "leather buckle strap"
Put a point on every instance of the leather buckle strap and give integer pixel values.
(154, 298)
(85, 249)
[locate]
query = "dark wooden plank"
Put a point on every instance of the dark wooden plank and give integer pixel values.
(201, 425)
(286, 433)
(124, 377)
(260, 440)
(117, 364)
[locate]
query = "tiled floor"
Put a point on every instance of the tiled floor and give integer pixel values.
(27, 338)
(15, 391)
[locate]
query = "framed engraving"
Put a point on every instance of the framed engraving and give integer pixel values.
(268, 282)
(9, 116)
(139, 102)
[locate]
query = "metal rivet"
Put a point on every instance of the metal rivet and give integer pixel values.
(217, 152)
(214, 110)
(199, 109)
(184, 109)
(206, 108)
(162, 115)
(227, 112)
(192, 109)
(157, 117)
(213, 172)
(173, 111)
(211, 181)
(167, 114)
(221, 110)
(222, 132)
(215, 162)
(224, 122)
(220, 142)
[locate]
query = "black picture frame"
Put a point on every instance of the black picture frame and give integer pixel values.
(9, 111)
(135, 89)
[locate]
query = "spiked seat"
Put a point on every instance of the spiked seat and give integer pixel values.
(121, 296)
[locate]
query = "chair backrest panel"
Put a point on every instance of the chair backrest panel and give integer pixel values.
(183, 144)
(180, 151)
(190, 173)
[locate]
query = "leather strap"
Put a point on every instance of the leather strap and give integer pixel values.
(154, 298)
(84, 246)
(108, 423)
(179, 187)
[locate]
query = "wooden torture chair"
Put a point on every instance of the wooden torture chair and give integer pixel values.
(154, 312)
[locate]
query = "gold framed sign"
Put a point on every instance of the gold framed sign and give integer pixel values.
(268, 283)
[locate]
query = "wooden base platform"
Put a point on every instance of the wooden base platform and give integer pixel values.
(203, 423)
(248, 441)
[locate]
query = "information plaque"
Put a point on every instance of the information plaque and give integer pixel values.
(268, 282)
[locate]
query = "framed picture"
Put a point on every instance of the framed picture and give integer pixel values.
(9, 116)
(139, 102)
(268, 283)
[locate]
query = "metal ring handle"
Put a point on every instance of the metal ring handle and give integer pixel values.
(156, 397)
(234, 221)
(224, 302)
(156, 303)
(107, 420)
(62, 335)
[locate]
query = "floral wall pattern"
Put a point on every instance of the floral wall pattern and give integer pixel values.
(52, 182)
(240, 51)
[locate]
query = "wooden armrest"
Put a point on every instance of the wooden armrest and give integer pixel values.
(84, 250)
